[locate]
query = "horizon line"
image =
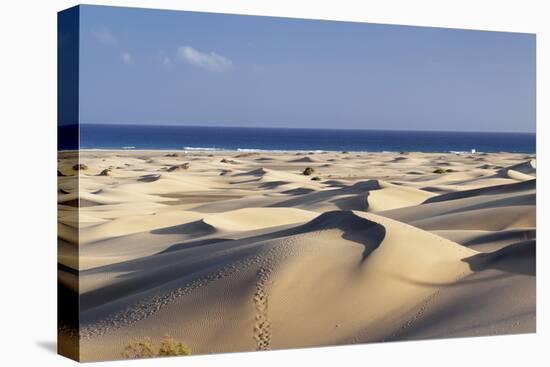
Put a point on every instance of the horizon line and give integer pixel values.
(303, 128)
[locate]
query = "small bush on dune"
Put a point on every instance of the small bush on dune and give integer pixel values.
(441, 170)
(105, 172)
(171, 347)
(308, 171)
(80, 166)
(180, 167)
(145, 348)
(316, 178)
(229, 161)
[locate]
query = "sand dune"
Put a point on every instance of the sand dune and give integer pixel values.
(497, 298)
(529, 167)
(129, 224)
(391, 196)
(525, 186)
(364, 254)
(380, 247)
(484, 209)
(487, 241)
(255, 218)
(306, 159)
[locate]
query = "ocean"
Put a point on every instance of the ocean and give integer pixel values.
(103, 136)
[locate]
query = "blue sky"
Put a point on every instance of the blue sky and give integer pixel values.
(144, 66)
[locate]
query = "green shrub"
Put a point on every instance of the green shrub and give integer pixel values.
(171, 347)
(441, 170)
(145, 348)
(137, 348)
(308, 171)
(180, 167)
(80, 166)
(105, 172)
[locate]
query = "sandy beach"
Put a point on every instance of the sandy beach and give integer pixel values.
(242, 251)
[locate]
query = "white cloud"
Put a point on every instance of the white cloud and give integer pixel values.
(210, 61)
(105, 36)
(127, 58)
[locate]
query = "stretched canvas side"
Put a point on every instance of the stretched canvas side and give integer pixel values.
(68, 343)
